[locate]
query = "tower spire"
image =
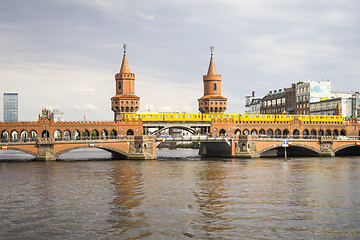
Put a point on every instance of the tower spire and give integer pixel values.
(124, 66)
(212, 69)
(212, 101)
(125, 100)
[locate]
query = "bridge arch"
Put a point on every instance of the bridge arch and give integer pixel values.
(262, 131)
(336, 132)
(254, 132)
(296, 133)
(14, 135)
(118, 152)
(67, 135)
(24, 135)
(95, 134)
(222, 131)
(57, 135)
(237, 132)
(45, 134)
(113, 133)
(190, 130)
(130, 132)
(85, 134)
(321, 132)
(328, 132)
(104, 134)
(277, 133)
(306, 133)
(246, 131)
(342, 132)
(295, 149)
(270, 132)
(22, 150)
(286, 132)
(76, 134)
(4, 136)
(33, 135)
(347, 150)
(313, 133)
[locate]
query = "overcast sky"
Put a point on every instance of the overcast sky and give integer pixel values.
(65, 53)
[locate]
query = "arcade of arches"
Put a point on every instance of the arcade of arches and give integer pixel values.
(296, 129)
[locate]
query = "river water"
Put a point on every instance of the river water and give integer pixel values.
(181, 197)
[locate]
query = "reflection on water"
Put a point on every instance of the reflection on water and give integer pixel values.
(303, 198)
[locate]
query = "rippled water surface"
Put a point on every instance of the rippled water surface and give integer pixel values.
(180, 198)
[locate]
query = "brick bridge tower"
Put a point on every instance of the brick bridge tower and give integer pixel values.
(125, 100)
(212, 101)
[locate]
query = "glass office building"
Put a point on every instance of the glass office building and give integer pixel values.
(10, 107)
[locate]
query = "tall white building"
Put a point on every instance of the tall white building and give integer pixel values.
(310, 91)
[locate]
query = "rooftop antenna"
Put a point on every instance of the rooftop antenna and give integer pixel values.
(212, 50)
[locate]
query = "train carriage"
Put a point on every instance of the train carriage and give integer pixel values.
(326, 118)
(234, 117)
(182, 117)
(257, 117)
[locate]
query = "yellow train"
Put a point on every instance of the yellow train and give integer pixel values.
(174, 117)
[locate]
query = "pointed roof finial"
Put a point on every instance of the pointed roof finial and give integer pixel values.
(124, 47)
(124, 66)
(212, 69)
(212, 50)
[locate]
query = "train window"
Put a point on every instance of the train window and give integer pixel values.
(251, 116)
(263, 116)
(188, 116)
(287, 117)
(149, 116)
(176, 116)
(226, 116)
(322, 117)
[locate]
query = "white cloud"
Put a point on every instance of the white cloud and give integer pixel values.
(143, 16)
(84, 91)
(86, 107)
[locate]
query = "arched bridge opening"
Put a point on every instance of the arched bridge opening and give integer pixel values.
(294, 150)
(115, 153)
(18, 153)
(348, 150)
(187, 129)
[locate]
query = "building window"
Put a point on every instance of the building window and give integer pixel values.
(214, 87)
(119, 85)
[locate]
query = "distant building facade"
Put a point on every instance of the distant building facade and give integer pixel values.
(346, 102)
(290, 99)
(356, 104)
(253, 104)
(297, 98)
(57, 115)
(310, 91)
(273, 102)
(11, 107)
